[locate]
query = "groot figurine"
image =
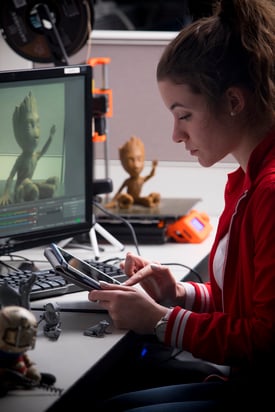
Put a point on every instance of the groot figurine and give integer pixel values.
(27, 133)
(132, 156)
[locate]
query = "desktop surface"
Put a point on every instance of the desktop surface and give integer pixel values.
(68, 359)
(74, 357)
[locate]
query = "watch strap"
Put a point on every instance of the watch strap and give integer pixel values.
(160, 327)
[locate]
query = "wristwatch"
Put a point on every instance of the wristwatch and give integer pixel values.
(160, 327)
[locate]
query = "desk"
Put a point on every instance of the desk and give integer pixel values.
(73, 354)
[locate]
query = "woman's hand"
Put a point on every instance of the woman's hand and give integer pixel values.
(157, 280)
(128, 307)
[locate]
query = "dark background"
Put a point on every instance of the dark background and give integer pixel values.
(156, 15)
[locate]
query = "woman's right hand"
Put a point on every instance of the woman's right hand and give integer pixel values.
(156, 279)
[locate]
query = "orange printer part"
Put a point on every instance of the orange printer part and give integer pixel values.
(191, 228)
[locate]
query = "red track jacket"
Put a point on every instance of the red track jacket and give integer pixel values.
(235, 325)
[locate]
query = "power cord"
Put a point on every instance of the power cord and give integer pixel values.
(117, 260)
(22, 263)
(125, 221)
(198, 276)
(10, 267)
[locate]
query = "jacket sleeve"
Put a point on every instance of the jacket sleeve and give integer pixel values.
(198, 296)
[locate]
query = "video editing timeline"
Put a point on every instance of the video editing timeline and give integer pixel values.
(13, 219)
(33, 217)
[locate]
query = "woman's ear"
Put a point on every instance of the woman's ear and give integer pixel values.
(235, 100)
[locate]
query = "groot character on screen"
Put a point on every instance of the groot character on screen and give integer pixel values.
(27, 133)
(132, 156)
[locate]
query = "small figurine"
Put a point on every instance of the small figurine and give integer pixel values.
(18, 328)
(20, 297)
(27, 133)
(51, 316)
(132, 156)
(98, 330)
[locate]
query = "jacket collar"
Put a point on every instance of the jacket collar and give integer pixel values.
(261, 162)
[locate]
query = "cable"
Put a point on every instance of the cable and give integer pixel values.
(114, 260)
(11, 256)
(89, 30)
(10, 267)
(187, 267)
(20, 261)
(114, 216)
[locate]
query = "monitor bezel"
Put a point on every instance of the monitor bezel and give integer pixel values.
(24, 241)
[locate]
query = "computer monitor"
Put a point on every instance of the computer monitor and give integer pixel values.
(46, 153)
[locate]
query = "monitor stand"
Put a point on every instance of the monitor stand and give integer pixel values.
(93, 239)
(107, 235)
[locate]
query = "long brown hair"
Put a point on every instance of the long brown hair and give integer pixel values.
(233, 47)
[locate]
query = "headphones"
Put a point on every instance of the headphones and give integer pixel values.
(48, 31)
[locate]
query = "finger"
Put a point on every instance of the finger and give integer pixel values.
(139, 276)
(144, 273)
(106, 291)
(132, 264)
(112, 286)
(156, 267)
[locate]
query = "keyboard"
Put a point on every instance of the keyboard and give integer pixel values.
(48, 284)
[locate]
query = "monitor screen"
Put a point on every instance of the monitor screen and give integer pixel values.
(46, 168)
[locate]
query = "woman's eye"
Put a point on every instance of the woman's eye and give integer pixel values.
(185, 117)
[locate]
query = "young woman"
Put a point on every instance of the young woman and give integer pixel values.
(217, 77)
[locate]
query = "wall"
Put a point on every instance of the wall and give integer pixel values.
(138, 110)
(137, 106)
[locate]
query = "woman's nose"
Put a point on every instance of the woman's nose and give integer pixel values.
(179, 136)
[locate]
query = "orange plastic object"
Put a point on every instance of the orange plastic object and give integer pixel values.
(99, 137)
(191, 228)
(95, 61)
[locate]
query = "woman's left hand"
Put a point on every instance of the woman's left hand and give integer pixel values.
(129, 307)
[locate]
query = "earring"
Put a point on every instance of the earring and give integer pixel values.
(232, 114)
